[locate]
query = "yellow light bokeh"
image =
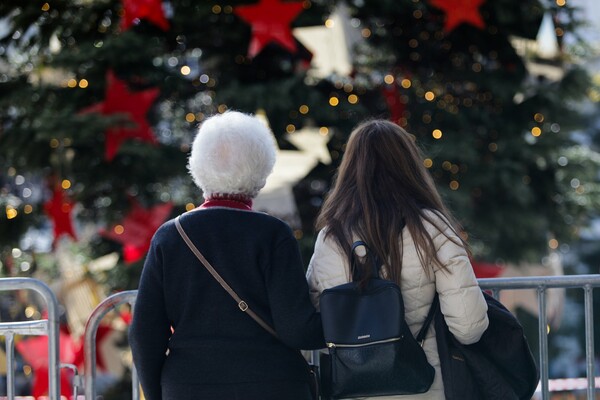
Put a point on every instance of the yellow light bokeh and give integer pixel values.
(389, 79)
(190, 117)
(65, 184)
(28, 209)
(83, 83)
(119, 229)
(353, 99)
(553, 244)
(428, 163)
(329, 23)
(429, 96)
(72, 83)
(538, 117)
(324, 130)
(291, 128)
(454, 185)
(189, 206)
(54, 143)
(185, 70)
(11, 212)
(45, 7)
(406, 83)
(334, 101)
(303, 109)
(536, 131)
(437, 134)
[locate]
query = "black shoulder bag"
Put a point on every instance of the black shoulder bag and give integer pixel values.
(371, 349)
(500, 366)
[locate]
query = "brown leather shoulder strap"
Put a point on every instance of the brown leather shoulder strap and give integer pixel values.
(241, 303)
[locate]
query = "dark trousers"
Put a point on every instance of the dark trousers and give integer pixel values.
(239, 391)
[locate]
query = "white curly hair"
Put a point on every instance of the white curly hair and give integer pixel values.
(232, 153)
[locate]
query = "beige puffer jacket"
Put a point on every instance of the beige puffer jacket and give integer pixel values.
(461, 300)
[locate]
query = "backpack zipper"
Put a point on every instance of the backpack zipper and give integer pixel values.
(334, 345)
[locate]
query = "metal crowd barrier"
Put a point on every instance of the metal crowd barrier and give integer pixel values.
(89, 349)
(48, 327)
(585, 282)
(541, 284)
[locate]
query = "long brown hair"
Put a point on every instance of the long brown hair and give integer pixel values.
(380, 187)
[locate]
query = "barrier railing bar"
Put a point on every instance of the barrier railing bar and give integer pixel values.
(543, 345)
(91, 329)
(53, 330)
(589, 339)
(522, 282)
(37, 327)
(10, 368)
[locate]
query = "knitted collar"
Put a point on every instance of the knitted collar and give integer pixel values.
(236, 201)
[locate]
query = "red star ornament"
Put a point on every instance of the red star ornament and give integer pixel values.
(136, 230)
(460, 11)
(35, 353)
(150, 10)
(119, 100)
(391, 95)
(59, 209)
(270, 21)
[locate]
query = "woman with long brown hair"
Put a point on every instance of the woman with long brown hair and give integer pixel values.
(383, 195)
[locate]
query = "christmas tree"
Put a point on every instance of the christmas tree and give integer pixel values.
(100, 100)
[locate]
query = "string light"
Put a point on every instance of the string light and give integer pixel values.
(353, 99)
(11, 212)
(334, 101)
(428, 163)
(118, 229)
(536, 131)
(389, 79)
(437, 134)
(189, 206)
(185, 70)
(454, 185)
(406, 83)
(65, 184)
(190, 117)
(429, 96)
(291, 128)
(83, 83)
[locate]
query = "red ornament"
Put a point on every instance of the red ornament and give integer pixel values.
(35, 353)
(270, 21)
(150, 10)
(59, 209)
(119, 100)
(137, 229)
(394, 103)
(486, 270)
(460, 11)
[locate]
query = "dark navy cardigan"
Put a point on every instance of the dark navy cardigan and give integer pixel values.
(213, 342)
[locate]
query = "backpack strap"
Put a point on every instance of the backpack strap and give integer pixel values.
(432, 310)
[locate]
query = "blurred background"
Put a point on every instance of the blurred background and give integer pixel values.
(100, 101)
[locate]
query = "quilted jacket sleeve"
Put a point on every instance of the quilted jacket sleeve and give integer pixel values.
(326, 269)
(461, 299)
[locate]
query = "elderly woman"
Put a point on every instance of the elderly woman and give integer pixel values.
(188, 337)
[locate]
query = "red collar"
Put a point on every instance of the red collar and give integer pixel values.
(228, 203)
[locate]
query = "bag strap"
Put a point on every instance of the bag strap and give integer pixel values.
(432, 310)
(241, 303)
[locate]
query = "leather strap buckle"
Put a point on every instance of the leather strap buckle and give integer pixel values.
(242, 305)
